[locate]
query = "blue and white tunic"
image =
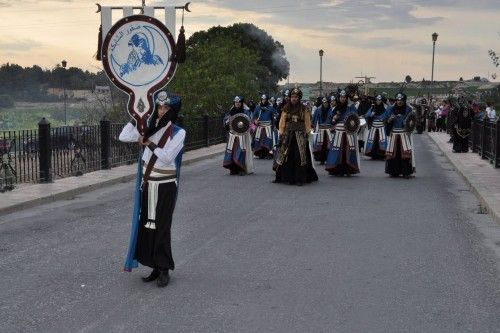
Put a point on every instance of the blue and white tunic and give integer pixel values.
(400, 142)
(343, 155)
(376, 143)
(322, 124)
(265, 135)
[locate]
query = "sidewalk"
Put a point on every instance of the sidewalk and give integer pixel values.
(29, 195)
(483, 178)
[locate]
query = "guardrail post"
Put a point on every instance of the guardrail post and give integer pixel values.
(45, 151)
(496, 155)
(206, 129)
(221, 126)
(105, 129)
(474, 135)
(483, 138)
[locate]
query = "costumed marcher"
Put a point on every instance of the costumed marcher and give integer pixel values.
(316, 105)
(399, 157)
(376, 144)
(272, 101)
(322, 124)
(461, 122)
(431, 121)
(294, 160)
(343, 154)
(421, 111)
(238, 157)
(363, 106)
(156, 189)
(250, 108)
(285, 101)
(264, 137)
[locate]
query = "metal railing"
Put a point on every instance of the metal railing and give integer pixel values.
(485, 140)
(45, 154)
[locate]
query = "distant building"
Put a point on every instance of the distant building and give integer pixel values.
(99, 92)
(70, 93)
(102, 90)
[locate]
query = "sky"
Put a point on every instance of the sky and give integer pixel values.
(383, 39)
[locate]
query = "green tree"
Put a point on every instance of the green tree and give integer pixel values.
(271, 53)
(214, 73)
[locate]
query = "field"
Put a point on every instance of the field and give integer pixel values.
(27, 115)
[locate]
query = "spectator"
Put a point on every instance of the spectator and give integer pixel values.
(490, 112)
(444, 114)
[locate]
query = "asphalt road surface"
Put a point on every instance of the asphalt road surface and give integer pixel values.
(361, 254)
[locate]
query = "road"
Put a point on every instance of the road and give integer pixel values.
(365, 253)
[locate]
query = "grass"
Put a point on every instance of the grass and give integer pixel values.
(27, 115)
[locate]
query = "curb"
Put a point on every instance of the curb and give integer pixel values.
(483, 198)
(72, 193)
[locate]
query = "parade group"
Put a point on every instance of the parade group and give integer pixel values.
(295, 136)
(333, 133)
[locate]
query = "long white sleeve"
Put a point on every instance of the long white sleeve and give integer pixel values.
(172, 148)
(129, 134)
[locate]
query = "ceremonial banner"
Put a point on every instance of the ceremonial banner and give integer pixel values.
(137, 56)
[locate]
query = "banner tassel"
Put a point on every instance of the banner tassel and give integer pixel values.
(99, 44)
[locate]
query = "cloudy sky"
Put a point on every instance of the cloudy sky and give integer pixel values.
(386, 39)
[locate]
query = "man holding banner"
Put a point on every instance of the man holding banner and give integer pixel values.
(163, 143)
(139, 55)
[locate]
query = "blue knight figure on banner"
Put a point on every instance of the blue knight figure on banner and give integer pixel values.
(139, 56)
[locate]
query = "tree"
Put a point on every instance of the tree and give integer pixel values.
(270, 53)
(214, 73)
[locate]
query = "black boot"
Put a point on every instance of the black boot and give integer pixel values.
(153, 276)
(163, 279)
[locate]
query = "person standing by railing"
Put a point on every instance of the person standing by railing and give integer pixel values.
(445, 111)
(491, 113)
(461, 123)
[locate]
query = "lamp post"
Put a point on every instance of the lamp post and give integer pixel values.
(434, 39)
(64, 63)
(321, 52)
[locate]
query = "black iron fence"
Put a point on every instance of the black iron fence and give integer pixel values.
(45, 154)
(485, 140)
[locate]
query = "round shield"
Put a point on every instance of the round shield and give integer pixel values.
(351, 123)
(239, 124)
(410, 122)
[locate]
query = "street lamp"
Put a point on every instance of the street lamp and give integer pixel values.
(321, 52)
(434, 39)
(64, 63)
